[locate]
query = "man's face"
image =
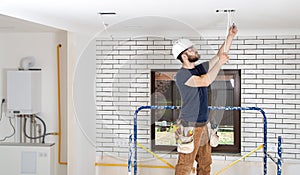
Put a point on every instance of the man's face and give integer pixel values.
(192, 54)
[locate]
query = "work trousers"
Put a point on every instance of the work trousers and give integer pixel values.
(201, 153)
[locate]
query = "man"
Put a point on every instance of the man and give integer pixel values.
(192, 82)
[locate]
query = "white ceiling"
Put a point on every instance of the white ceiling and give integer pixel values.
(151, 17)
(11, 25)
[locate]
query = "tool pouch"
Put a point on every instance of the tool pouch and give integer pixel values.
(213, 135)
(184, 136)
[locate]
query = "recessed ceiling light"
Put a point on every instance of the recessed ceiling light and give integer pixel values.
(107, 13)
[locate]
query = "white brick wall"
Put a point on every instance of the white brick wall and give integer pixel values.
(270, 80)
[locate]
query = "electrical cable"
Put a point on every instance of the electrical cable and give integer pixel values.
(44, 132)
(45, 128)
(6, 137)
(105, 26)
(232, 18)
(230, 23)
(2, 102)
(10, 122)
(25, 133)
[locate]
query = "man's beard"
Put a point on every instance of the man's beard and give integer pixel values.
(193, 59)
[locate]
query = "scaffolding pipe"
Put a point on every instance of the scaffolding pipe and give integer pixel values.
(129, 155)
(178, 107)
(135, 131)
(279, 156)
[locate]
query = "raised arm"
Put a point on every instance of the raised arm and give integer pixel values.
(231, 34)
(206, 79)
(215, 63)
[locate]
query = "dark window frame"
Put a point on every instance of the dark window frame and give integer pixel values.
(236, 148)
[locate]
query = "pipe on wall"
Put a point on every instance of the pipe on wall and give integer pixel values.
(58, 105)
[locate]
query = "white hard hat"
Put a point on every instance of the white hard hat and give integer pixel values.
(180, 46)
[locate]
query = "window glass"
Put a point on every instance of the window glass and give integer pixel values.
(224, 91)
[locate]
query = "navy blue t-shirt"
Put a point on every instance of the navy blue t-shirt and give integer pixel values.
(194, 100)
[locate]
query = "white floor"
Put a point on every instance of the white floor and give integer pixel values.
(241, 168)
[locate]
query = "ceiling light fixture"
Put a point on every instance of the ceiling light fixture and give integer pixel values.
(107, 13)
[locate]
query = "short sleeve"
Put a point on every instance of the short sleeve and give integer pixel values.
(203, 67)
(206, 66)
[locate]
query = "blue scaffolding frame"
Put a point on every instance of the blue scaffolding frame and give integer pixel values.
(279, 163)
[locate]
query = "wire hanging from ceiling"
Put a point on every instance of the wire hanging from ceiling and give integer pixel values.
(105, 25)
(230, 22)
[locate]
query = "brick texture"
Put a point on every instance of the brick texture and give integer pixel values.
(270, 80)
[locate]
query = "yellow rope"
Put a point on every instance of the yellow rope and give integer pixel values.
(235, 162)
(155, 155)
(125, 165)
(171, 166)
(140, 165)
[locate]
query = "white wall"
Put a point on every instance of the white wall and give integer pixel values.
(15, 46)
(77, 72)
(81, 105)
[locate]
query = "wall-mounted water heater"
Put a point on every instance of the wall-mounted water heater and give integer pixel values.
(24, 91)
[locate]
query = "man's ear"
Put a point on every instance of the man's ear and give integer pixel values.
(184, 57)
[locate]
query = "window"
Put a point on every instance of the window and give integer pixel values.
(224, 91)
